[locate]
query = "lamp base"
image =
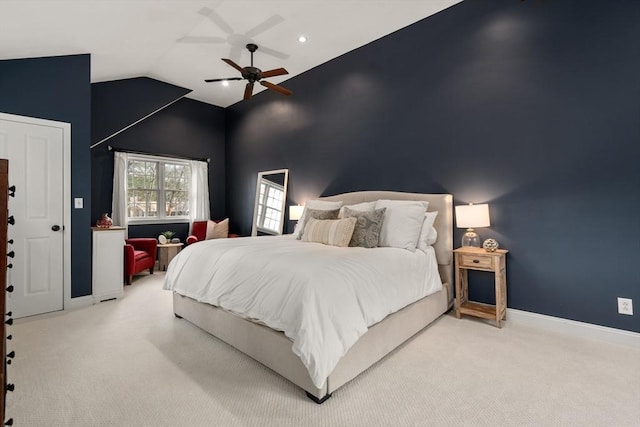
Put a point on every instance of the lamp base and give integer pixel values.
(471, 238)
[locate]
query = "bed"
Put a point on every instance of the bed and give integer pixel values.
(274, 349)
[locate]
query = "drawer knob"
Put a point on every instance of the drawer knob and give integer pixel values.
(476, 261)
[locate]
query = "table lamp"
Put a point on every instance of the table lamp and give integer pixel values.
(471, 216)
(295, 212)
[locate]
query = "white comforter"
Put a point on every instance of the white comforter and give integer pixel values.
(322, 297)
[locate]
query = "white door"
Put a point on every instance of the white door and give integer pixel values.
(35, 154)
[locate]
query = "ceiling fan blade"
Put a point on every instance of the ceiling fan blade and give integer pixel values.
(261, 28)
(273, 52)
(220, 80)
(217, 19)
(277, 88)
(274, 72)
(233, 64)
(248, 90)
(201, 39)
(235, 52)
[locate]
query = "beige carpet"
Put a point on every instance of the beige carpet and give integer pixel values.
(132, 363)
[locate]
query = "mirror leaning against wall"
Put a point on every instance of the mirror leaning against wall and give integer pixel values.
(271, 196)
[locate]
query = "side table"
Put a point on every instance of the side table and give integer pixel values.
(470, 258)
(166, 252)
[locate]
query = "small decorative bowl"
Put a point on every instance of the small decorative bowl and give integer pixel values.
(490, 245)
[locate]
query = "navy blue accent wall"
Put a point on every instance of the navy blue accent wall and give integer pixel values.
(186, 128)
(59, 88)
(529, 106)
(139, 96)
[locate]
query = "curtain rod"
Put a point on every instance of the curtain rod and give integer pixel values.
(122, 150)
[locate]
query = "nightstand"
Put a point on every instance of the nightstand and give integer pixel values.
(470, 258)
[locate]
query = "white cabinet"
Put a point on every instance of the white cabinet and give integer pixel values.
(108, 263)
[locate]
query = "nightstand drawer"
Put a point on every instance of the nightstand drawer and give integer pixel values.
(476, 261)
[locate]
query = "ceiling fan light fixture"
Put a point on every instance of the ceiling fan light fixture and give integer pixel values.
(225, 83)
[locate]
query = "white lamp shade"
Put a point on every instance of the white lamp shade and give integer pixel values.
(295, 212)
(472, 216)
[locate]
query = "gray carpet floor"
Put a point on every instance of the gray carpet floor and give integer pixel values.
(130, 362)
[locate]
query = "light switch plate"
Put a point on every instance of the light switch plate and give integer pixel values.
(78, 202)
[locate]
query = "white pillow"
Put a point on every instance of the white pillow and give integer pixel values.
(402, 223)
(360, 207)
(428, 234)
(217, 230)
(319, 205)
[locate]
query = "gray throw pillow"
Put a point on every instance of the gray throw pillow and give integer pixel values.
(367, 230)
(317, 214)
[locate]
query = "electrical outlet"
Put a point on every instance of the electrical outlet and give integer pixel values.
(625, 306)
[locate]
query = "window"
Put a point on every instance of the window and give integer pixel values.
(270, 202)
(157, 189)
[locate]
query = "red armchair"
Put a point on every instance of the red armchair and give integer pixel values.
(199, 232)
(139, 254)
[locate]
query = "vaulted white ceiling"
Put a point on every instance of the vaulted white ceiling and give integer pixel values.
(181, 41)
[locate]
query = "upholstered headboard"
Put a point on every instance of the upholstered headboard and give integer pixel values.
(443, 203)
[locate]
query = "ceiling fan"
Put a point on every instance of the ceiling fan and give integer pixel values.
(236, 40)
(253, 74)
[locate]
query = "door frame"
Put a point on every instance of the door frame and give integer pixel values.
(66, 191)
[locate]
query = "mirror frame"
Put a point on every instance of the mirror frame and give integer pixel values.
(254, 227)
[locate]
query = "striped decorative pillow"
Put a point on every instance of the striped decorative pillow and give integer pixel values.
(334, 232)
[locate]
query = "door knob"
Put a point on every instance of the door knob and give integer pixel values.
(55, 228)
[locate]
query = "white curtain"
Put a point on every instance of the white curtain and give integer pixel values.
(119, 199)
(199, 209)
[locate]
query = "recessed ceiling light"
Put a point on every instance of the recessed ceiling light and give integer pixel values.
(302, 39)
(225, 83)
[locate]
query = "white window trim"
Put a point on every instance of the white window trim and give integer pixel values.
(164, 219)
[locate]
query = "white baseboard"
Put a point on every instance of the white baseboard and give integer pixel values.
(581, 329)
(79, 302)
